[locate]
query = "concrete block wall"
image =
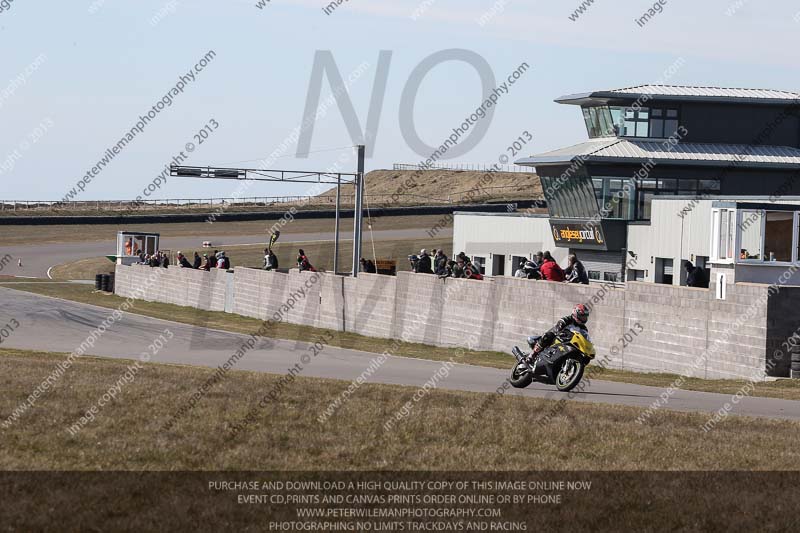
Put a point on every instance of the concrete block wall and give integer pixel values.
(132, 282)
(673, 324)
(174, 285)
(301, 294)
(332, 306)
(738, 348)
(467, 313)
(217, 286)
(247, 298)
(679, 325)
(370, 304)
(522, 308)
(419, 306)
(123, 282)
(272, 291)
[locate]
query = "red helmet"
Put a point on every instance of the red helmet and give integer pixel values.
(580, 314)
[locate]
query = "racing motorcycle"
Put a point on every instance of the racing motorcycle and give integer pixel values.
(561, 364)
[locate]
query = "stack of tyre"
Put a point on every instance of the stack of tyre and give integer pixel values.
(104, 282)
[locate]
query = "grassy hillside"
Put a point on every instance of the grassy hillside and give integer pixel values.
(436, 186)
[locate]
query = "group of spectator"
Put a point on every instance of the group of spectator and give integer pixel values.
(544, 267)
(160, 259)
(303, 263)
(440, 265)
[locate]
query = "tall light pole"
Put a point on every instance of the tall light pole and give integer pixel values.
(358, 185)
(336, 230)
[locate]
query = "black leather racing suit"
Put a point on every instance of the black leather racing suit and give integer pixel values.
(564, 324)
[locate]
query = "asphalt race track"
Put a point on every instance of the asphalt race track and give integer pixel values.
(38, 258)
(49, 324)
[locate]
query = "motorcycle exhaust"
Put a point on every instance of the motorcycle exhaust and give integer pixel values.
(517, 353)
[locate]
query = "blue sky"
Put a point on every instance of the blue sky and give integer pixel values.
(98, 72)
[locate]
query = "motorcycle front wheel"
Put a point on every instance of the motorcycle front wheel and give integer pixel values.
(521, 376)
(569, 375)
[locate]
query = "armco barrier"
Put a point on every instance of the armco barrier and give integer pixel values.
(678, 329)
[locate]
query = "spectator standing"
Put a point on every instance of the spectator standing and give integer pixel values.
(303, 263)
(530, 267)
(197, 261)
(538, 259)
(473, 272)
(695, 276)
(424, 263)
(183, 262)
(206, 263)
(520, 272)
(532, 271)
(575, 272)
(449, 270)
(458, 269)
(368, 266)
(270, 260)
(413, 260)
(550, 269)
(439, 263)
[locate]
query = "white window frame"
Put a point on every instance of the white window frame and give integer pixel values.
(763, 212)
(762, 229)
(717, 215)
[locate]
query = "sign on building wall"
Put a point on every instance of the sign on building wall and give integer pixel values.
(568, 235)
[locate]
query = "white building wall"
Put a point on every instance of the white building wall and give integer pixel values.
(670, 236)
(509, 235)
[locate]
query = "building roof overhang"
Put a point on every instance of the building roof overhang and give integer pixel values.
(678, 93)
(621, 150)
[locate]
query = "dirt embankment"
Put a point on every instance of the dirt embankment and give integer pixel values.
(445, 186)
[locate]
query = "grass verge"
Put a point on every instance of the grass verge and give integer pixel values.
(783, 389)
(441, 432)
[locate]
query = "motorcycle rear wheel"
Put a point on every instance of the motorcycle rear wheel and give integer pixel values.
(521, 376)
(569, 375)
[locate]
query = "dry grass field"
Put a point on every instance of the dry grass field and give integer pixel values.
(439, 434)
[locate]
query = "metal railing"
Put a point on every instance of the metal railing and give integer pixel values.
(465, 167)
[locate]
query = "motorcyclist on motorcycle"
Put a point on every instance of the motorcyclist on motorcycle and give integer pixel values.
(578, 319)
